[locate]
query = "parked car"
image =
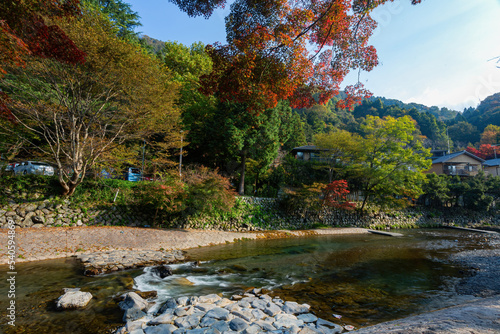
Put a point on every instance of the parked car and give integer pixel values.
(10, 167)
(34, 167)
(132, 174)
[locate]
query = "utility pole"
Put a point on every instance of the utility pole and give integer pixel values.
(180, 159)
(143, 153)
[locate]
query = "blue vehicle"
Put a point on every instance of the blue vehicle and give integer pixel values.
(132, 174)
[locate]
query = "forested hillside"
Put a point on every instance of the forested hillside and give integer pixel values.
(488, 112)
(438, 127)
(441, 114)
(155, 44)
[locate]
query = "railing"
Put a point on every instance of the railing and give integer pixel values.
(463, 171)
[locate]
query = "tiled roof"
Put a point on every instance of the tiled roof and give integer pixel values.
(492, 162)
(453, 155)
(306, 148)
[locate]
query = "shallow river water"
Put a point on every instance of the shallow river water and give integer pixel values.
(366, 279)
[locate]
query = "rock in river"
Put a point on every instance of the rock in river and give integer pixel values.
(162, 271)
(73, 298)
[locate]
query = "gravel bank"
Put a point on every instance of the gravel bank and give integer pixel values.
(58, 242)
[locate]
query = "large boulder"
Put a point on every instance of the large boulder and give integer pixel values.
(135, 306)
(133, 300)
(73, 298)
(30, 208)
(162, 271)
(27, 222)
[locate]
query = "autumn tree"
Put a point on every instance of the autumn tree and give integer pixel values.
(335, 195)
(24, 30)
(485, 151)
(491, 135)
(79, 111)
(296, 50)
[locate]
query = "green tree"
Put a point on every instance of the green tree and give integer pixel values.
(296, 136)
(341, 148)
(188, 64)
(226, 136)
(121, 14)
(436, 190)
(392, 162)
(476, 196)
(386, 163)
(463, 133)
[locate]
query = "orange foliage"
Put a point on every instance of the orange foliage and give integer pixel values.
(268, 55)
(335, 195)
(23, 31)
(485, 151)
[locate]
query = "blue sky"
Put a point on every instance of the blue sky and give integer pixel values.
(436, 53)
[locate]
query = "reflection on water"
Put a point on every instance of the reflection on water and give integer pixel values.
(38, 284)
(365, 278)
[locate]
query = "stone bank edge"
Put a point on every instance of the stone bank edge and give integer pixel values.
(49, 214)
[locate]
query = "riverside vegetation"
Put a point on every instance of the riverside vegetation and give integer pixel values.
(204, 200)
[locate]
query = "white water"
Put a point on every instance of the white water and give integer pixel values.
(192, 280)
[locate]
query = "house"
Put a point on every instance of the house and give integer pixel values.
(492, 167)
(461, 163)
(308, 153)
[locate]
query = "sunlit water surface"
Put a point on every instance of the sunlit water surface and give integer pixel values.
(367, 279)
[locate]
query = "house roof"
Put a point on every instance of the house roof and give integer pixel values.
(456, 154)
(492, 162)
(306, 148)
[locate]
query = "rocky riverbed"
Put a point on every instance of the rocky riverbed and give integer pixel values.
(251, 313)
(484, 270)
(246, 314)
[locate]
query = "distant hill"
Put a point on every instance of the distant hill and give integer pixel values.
(442, 114)
(488, 112)
(155, 44)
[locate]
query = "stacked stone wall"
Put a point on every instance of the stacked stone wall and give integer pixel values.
(47, 213)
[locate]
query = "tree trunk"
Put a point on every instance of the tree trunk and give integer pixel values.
(364, 202)
(69, 186)
(241, 186)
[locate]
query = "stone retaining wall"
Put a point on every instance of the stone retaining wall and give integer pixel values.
(262, 213)
(48, 214)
